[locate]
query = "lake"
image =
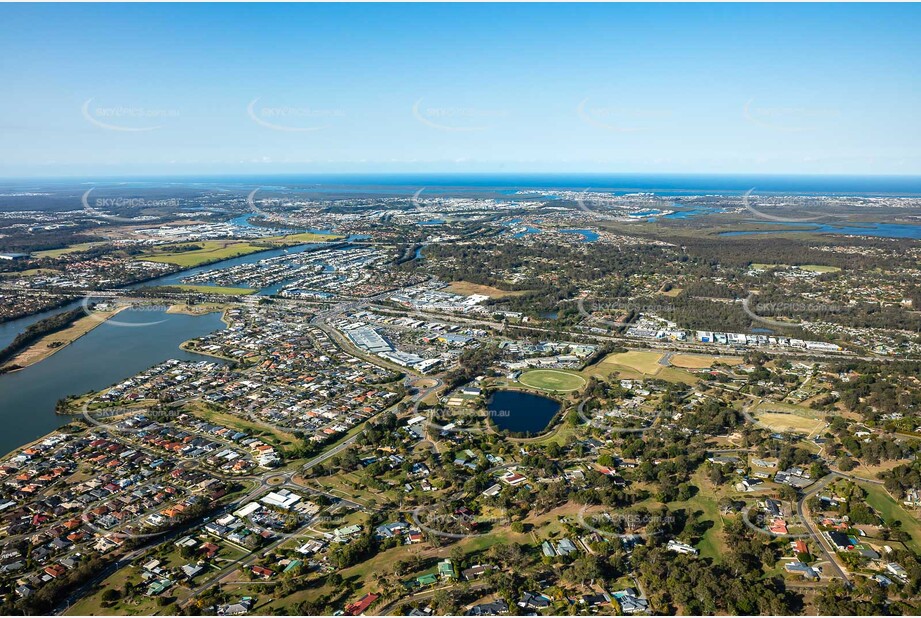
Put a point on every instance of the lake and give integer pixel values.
(587, 235)
(527, 230)
(520, 412)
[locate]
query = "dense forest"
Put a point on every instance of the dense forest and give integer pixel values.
(715, 276)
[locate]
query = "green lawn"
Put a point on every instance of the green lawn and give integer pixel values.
(562, 434)
(31, 272)
(885, 505)
(711, 545)
(140, 605)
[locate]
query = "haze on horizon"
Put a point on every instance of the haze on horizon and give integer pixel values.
(265, 89)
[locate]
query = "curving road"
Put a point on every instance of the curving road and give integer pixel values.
(824, 545)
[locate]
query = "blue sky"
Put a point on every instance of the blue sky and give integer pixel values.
(178, 89)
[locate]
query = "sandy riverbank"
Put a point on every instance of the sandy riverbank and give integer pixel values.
(53, 342)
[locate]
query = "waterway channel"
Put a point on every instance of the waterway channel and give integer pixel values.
(106, 355)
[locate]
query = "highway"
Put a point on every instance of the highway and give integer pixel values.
(350, 305)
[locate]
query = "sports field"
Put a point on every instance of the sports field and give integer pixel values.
(553, 380)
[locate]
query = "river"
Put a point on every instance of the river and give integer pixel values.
(104, 356)
(9, 330)
(108, 354)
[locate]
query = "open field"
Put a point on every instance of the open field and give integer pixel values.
(779, 421)
(643, 362)
(871, 472)
(779, 416)
(52, 253)
(465, 288)
(31, 272)
(215, 289)
(200, 309)
(92, 604)
(352, 486)
(274, 436)
(562, 433)
(215, 250)
(554, 380)
(712, 544)
(705, 503)
(813, 268)
(637, 365)
(702, 361)
(211, 251)
(792, 408)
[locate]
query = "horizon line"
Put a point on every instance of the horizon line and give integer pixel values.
(386, 174)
